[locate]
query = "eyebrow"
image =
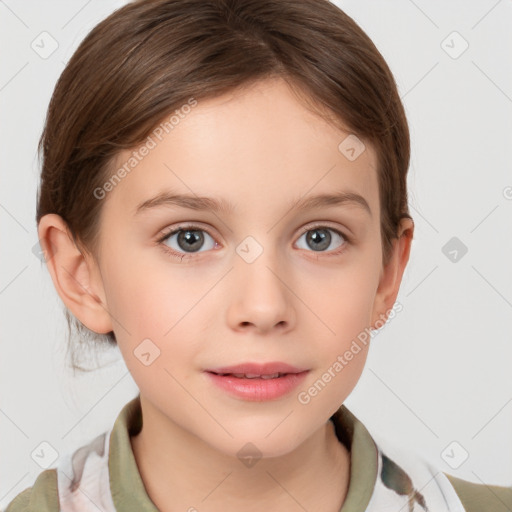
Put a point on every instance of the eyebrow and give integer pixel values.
(217, 205)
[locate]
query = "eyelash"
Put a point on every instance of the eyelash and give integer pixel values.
(193, 227)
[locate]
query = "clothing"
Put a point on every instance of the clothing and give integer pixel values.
(103, 477)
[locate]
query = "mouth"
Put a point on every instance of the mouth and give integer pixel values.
(257, 382)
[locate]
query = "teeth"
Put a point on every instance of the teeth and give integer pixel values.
(255, 376)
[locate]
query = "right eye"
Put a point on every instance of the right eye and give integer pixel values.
(189, 240)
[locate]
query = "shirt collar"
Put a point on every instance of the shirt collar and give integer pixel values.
(129, 493)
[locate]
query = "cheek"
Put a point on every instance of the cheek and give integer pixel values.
(342, 350)
(134, 296)
(344, 306)
(349, 319)
(344, 299)
(148, 302)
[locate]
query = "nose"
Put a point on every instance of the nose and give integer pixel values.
(260, 299)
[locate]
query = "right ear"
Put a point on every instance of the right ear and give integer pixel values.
(75, 275)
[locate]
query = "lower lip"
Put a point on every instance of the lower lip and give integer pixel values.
(258, 390)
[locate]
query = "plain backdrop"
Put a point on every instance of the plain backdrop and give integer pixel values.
(438, 378)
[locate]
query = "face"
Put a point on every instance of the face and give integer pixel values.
(260, 279)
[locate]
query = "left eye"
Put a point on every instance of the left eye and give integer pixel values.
(320, 238)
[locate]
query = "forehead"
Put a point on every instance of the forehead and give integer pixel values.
(258, 148)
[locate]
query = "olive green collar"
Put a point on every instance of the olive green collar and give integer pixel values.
(129, 493)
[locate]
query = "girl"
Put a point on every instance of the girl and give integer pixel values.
(195, 153)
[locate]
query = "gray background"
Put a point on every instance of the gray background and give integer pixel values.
(438, 378)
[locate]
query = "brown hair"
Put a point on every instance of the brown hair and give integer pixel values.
(151, 56)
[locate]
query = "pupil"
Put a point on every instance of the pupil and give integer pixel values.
(323, 239)
(193, 240)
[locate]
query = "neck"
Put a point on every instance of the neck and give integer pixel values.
(180, 472)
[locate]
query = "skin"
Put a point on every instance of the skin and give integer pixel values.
(259, 148)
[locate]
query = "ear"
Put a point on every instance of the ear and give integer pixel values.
(391, 274)
(75, 275)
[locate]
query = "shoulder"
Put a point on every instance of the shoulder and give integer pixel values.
(408, 473)
(41, 497)
(482, 497)
(81, 480)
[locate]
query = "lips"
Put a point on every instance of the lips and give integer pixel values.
(270, 370)
(257, 381)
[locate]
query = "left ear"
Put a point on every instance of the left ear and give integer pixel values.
(391, 275)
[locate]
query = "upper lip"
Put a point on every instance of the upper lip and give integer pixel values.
(269, 368)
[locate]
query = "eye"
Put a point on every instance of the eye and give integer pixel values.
(189, 240)
(319, 238)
